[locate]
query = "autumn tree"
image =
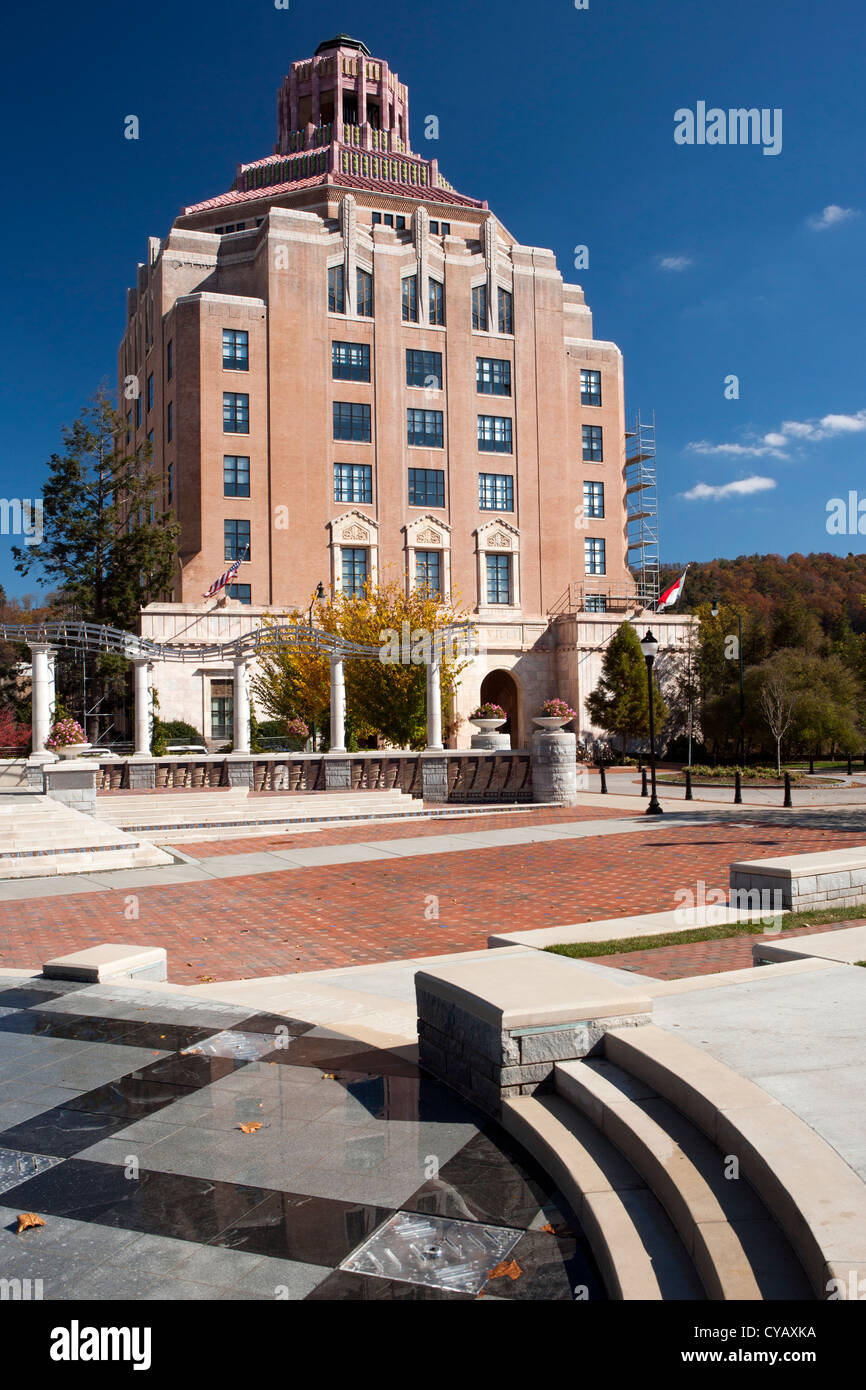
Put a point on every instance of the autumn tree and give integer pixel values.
(620, 702)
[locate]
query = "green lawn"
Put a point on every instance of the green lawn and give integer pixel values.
(581, 950)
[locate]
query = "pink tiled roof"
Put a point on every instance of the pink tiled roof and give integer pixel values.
(433, 195)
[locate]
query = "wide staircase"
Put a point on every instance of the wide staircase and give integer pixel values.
(40, 836)
(689, 1180)
(175, 817)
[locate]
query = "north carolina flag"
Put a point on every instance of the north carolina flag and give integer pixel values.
(671, 595)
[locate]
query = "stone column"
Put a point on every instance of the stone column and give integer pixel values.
(554, 767)
(142, 707)
(241, 712)
(52, 687)
(41, 682)
(434, 706)
(338, 706)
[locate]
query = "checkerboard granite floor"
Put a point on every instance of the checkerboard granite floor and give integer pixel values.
(120, 1126)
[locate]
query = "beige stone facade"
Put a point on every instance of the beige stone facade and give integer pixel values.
(346, 369)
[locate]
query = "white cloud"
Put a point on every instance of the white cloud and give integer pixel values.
(826, 427)
(703, 446)
(774, 443)
(741, 487)
(675, 262)
(831, 217)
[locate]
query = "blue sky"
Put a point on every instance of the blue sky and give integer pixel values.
(704, 261)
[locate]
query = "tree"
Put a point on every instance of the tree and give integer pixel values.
(620, 702)
(777, 704)
(100, 547)
(385, 698)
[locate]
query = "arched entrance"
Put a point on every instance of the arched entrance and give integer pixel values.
(500, 688)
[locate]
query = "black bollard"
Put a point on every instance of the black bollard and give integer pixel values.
(603, 775)
(811, 764)
(850, 768)
(689, 796)
(738, 788)
(644, 790)
(787, 801)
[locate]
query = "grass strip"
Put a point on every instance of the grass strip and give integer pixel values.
(582, 950)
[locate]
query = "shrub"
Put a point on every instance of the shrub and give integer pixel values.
(64, 733)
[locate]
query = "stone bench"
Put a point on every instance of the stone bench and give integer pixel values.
(846, 946)
(833, 878)
(494, 1028)
(101, 964)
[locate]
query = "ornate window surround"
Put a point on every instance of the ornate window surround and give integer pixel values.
(497, 537)
(428, 533)
(353, 528)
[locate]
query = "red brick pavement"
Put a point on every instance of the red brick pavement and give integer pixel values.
(704, 957)
(354, 914)
(400, 830)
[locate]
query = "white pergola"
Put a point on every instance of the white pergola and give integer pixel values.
(44, 639)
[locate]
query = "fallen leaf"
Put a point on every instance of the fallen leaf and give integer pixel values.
(507, 1268)
(328, 1076)
(549, 1229)
(250, 1127)
(26, 1219)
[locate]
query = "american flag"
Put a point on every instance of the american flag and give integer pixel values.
(224, 579)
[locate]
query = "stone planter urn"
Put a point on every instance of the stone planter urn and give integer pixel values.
(548, 724)
(72, 750)
(487, 726)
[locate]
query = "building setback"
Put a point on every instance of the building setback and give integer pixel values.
(348, 370)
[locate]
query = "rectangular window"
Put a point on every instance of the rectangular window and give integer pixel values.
(596, 603)
(221, 709)
(336, 290)
(237, 540)
(169, 360)
(236, 350)
(479, 308)
(425, 429)
(350, 361)
(170, 484)
(592, 444)
(593, 499)
(236, 476)
(495, 492)
(590, 388)
(352, 421)
(498, 578)
(506, 311)
(129, 427)
(150, 392)
(242, 592)
(493, 376)
(138, 412)
(424, 369)
(426, 487)
(353, 482)
(377, 219)
(446, 228)
(434, 228)
(400, 224)
(428, 570)
(494, 434)
(437, 302)
(236, 413)
(410, 298)
(169, 422)
(354, 571)
(364, 293)
(593, 554)
(150, 441)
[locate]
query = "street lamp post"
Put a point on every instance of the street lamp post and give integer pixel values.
(649, 646)
(317, 598)
(741, 746)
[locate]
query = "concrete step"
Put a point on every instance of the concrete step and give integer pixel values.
(637, 1250)
(737, 1248)
(47, 838)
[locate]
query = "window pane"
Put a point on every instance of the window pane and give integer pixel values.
(479, 308)
(424, 369)
(426, 487)
(235, 350)
(498, 578)
(241, 592)
(236, 413)
(427, 570)
(437, 302)
(237, 540)
(353, 482)
(410, 298)
(592, 444)
(236, 476)
(593, 499)
(506, 312)
(493, 376)
(364, 293)
(495, 492)
(494, 434)
(354, 571)
(425, 429)
(350, 361)
(590, 388)
(336, 290)
(352, 421)
(594, 556)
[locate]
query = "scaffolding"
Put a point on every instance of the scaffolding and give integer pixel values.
(642, 511)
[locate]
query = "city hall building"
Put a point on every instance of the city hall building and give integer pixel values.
(351, 371)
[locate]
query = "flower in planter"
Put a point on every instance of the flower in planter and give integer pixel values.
(297, 730)
(488, 711)
(64, 733)
(558, 709)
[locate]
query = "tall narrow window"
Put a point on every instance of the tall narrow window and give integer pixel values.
(437, 302)
(354, 571)
(410, 298)
(590, 387)
(236, 412)
(593, 499)
(593, 451)
(237, 540)
(169, 422)
(364, 294)
(236, 350)
(221, 709)
(150, 392)
(336, 290)
(594, 558)
(170, 484)
(506, 312)
(169, 360)
(479, 308)
(498, 578)
(236, 476)
(428, 571)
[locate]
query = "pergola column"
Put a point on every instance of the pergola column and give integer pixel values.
(338, 706)
(141, 666)
(434, 705)
(241, 713)
(41, 693)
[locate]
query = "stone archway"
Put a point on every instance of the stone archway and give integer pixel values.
(500, 688)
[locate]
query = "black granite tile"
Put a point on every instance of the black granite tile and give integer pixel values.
(362, 1288)
(489, 1180)
(128, 1096)
(314, 1230)
(166, 1204)
(552, 1268)
(334, 1054)
(30, 1022)
(166, 1037)
(60, 1132)
(26, 998)
(192, 1071)
(268, 1023)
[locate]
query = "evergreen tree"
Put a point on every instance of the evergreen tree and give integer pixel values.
(620, 702)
